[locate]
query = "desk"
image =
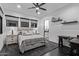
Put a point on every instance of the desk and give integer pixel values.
(60, 44)
(74, 44)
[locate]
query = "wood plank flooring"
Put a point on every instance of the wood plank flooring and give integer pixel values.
(51, 49)
(13, 50)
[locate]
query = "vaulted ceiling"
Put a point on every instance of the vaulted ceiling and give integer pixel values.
(51, 7)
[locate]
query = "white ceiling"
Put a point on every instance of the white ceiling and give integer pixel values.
(51, 7)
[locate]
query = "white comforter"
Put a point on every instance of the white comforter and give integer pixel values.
(22, 38)
(25, 42)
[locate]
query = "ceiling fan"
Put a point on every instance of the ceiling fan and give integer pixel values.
(38, 7)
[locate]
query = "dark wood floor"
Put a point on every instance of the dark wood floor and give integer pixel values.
(51, 49)
(13, 50)
(60, 51)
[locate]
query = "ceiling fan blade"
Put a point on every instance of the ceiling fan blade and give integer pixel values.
(42, 4)
(31, 7)
(43, 9)
(35, 4)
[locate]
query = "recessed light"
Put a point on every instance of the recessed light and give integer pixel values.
(18, 6)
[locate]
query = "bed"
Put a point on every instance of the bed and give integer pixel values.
(30, 41)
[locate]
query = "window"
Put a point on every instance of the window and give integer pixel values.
(11, 23)
(24, 24)
(33, 25)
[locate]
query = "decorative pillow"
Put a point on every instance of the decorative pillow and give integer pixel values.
(30, 32)
(35, 32)
(25, 33)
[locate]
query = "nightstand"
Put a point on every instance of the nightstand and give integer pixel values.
(11, 39)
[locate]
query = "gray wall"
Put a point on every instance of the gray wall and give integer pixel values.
(67, 13)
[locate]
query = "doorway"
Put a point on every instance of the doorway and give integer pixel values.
(46, 30)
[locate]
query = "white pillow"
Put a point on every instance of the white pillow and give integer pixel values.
(30, 32)
(27, 33)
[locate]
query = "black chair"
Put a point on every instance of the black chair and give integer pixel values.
(74, 44)
(77, 36)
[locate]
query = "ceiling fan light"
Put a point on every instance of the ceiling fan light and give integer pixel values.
(18, 6)
(37, 8)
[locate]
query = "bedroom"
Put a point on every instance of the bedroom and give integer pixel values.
(35, 32)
